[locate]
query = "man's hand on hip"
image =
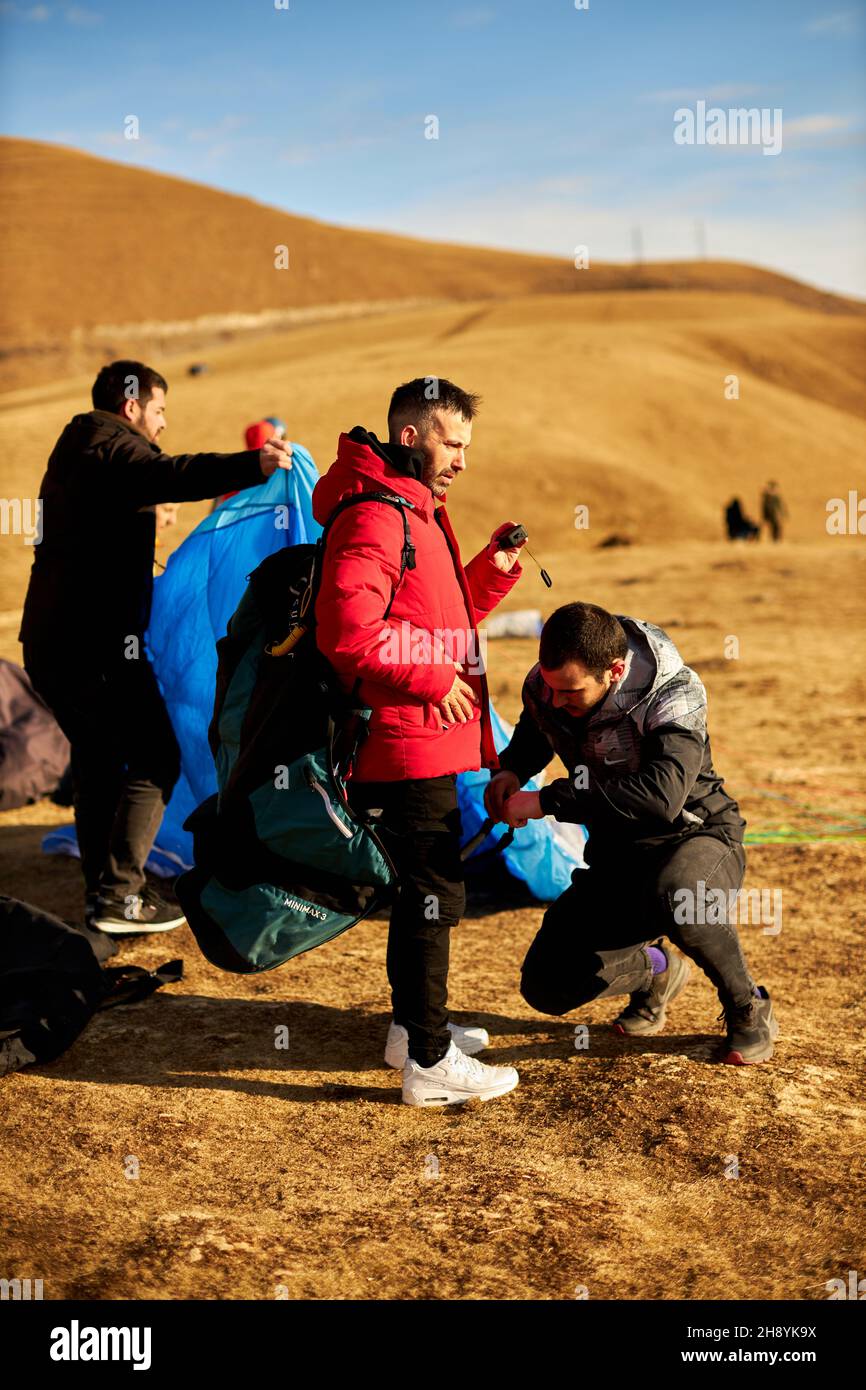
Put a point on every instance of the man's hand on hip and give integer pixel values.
(458, 706)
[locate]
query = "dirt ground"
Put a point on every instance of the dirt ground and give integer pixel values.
(609, 1172)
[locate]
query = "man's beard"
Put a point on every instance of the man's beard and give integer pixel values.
(429, 475)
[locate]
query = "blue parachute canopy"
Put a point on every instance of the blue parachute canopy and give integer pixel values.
(543, 853)
(193, 600)
(203, 584)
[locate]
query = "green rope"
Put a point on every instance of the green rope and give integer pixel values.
(846, 829)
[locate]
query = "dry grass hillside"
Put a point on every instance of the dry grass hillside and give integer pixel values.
(103, 259)
(615, 401)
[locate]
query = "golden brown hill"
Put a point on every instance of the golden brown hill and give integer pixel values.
(612, 401)
(103, 259)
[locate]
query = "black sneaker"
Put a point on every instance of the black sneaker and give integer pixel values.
(751, 1030)
(136, 913)
(646, 1012)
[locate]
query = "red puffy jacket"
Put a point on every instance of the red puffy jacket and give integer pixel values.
(406, 663)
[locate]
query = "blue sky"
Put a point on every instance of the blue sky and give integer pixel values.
(555, 124)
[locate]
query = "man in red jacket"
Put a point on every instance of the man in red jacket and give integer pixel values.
(420, 673)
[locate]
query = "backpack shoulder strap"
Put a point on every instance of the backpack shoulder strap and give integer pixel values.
(391, 499)
(407, 562)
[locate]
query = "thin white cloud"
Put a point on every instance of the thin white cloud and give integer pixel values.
(476, 18)
(566, 185)
(842, 22)
(299, 154)
(32, 14)
(83, 18)
(817, 125)
(726, 91)
(40, 14)
(225, 126)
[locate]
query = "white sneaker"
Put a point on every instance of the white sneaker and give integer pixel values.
(455, 1079)
(469, 1040)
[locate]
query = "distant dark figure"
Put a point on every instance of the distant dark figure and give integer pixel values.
(773, 510)
(739, 527)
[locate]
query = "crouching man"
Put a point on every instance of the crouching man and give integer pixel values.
(612, 697)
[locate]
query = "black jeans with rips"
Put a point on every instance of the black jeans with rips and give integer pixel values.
(421, 830)
(124, 755)
(592, 941)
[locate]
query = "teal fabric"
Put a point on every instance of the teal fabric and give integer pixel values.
(267, 925)
(292, 820)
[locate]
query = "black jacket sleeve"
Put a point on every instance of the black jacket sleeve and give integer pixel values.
(143, 476)
(671, 762)
(529, 750)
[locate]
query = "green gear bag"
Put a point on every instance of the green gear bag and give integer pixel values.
(282, 862)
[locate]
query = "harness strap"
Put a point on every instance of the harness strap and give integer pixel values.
(407, 562)
(391, 499)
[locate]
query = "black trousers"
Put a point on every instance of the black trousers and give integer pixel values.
(592, 941)
(421, 829)
(124, 756)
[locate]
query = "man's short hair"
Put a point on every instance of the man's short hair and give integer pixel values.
(125, 381)
(582, 632)
(416, 401)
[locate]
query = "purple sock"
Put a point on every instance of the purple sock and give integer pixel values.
(658, 959)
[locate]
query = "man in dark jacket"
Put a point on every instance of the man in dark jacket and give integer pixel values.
(612, 697)
(85, 616)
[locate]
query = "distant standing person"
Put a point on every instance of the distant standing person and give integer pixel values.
(85, 616)
(773, 510)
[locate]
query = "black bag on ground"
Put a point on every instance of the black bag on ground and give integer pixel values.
(52, 982)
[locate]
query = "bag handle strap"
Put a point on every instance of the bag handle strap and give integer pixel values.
(407, 562)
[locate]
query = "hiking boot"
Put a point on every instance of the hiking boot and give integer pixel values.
(646, 1011)
(136, 913)
(751, 1030)
(455, 1079)
(469, 1040)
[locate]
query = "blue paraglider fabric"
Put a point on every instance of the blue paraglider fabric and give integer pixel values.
(192, 603)
(543, 853)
